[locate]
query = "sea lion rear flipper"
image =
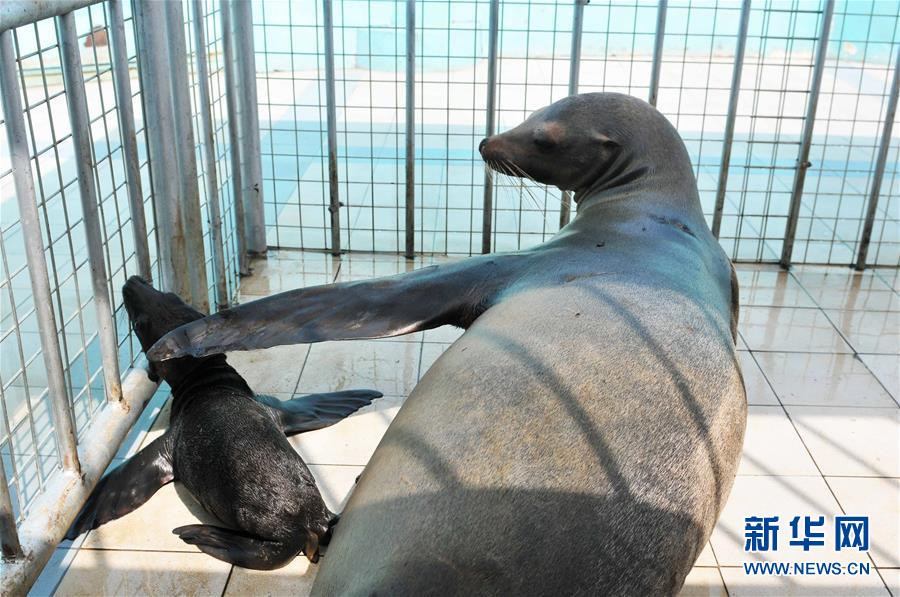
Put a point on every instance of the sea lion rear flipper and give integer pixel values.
(236, 548)
(315, 411)
(126, 487)
(453, 293)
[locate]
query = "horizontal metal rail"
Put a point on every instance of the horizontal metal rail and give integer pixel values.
(15, 13)
(54, 511)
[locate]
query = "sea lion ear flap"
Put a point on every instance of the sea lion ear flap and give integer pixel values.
(604, 139)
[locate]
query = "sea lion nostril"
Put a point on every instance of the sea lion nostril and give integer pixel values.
(482, 144)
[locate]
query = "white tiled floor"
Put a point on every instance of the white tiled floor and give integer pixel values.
(819, 352)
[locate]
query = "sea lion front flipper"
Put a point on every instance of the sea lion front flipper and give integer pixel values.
(453, 293)
(315, 411)
(127, 487)
(236, 548)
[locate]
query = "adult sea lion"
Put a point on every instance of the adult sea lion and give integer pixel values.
(228, 446)
(582, 436)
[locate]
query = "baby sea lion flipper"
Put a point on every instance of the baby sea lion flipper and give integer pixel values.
(453, 293)
(236, 548)
(127, 487)
(315, 411)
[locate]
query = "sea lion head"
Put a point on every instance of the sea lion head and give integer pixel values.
(153, 314)
(590, 143)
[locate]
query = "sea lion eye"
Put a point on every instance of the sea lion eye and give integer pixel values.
(543, 141)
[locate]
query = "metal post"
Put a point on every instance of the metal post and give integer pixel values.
(574, 66)
(658, 50)
(488, 215)
(878, 174)
(93, 231)
(231, 92)
(209, 155)
(732, 114)
(185, 151)
(9, 535)
(334, 205)
(790, 229)
(127, 136)
(410, 128)
(251, 176)
(34, 253)
(160, 129)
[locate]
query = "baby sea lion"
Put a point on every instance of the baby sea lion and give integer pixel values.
(583, 434)
(228, 447)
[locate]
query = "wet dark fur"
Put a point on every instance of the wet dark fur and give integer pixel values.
(228, 447)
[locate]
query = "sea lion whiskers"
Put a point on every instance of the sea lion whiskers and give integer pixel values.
(515, 183)
(523, 174)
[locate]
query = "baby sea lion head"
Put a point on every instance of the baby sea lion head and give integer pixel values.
(153, 314)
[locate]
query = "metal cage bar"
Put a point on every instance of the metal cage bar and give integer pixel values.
(735, 92)
(565, 208)
(34, 254)
(410, 129)
(151, 22)
(658, 51)
(334, 204)
(186, 157)
(880, 163)
(251, 174)
(81, 139)
(493, 35)
(809, 123)
(209, 158)
(10, 546)
(125, 112)
(232, 90)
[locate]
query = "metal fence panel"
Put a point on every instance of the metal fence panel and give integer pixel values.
(77, 208)
(620, 41)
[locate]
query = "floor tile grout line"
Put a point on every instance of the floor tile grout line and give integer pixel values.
(825, 479)
(799, 436)
(717, 566)
(227, 580)
(302, 369)
(814, 475)
(818, 352)
(856, 355)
